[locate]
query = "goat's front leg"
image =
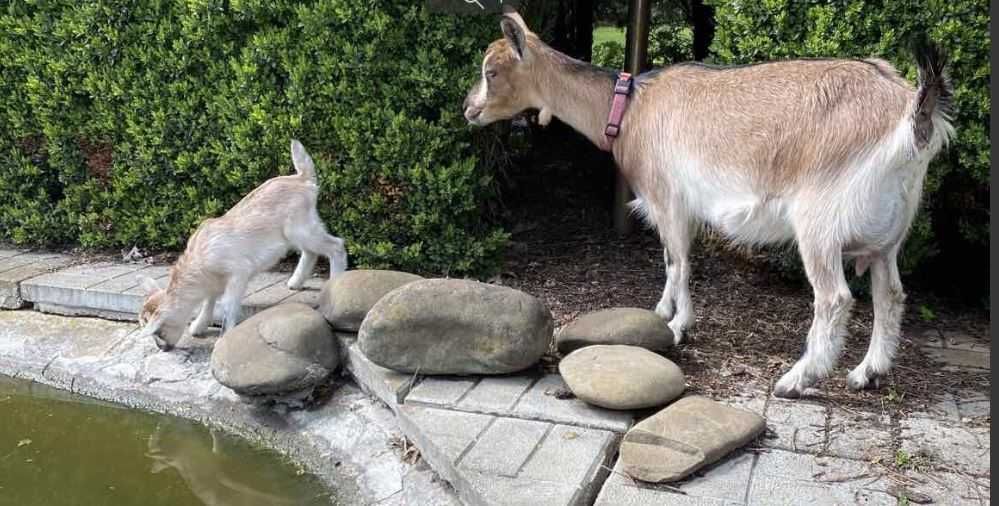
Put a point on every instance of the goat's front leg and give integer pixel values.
(665, 308)
(306, 263)
(232, 301)
(833, 301)
(204, 319)
(889, 303)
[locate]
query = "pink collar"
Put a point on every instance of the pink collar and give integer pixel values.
(622, 91)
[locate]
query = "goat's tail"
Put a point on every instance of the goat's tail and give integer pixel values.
(304, 165)
(934, 94)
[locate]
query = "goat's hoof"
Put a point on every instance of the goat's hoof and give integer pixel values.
(295, 285)
(790, 386)
(859, 379)
(162, 345)
(677, 331)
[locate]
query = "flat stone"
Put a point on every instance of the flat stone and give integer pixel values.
(284, 349)
(947, 488)
(621, 377)
(505, 446)
(689, 434)
(624, 325)
(454, 326)
(963, 448)
(781, 477)
(957, 359)
(16, 269)
(796, 425)
(861, 436)
(960, 340)
(495, 394)
(724, 483)
(346, 300)
(387, 385)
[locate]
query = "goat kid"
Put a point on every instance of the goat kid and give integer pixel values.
(829, 153)
(224, 253)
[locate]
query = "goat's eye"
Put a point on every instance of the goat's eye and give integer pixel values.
(490, 74)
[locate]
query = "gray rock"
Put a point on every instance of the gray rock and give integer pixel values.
(454, 326)
(622, 325)
(282, 352)
(621, 377)
(346, 300)
(689, 434)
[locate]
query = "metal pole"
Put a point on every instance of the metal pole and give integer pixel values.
(635, 61)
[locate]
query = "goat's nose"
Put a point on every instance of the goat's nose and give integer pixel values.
(471, 113)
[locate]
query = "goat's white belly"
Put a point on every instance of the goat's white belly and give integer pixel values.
(749, 219)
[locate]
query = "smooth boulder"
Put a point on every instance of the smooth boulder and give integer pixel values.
(284, 350)
(621, 377)
(455, 326)
(687, 435)
(623, 325)
(346, 299)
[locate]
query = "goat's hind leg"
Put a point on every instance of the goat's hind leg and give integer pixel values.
(889, 303)
(833, 301)
(306, 264)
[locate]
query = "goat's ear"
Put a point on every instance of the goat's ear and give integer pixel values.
(149, 285)
(301, 159)
(515, 31)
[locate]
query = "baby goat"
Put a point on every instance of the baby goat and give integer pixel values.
(224, 253)
(828, 153)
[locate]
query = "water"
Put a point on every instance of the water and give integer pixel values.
(60, 449)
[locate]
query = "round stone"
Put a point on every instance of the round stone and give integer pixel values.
(621, 377)
(456, 326)
(282, 350)
(346, 299)
(622, 325)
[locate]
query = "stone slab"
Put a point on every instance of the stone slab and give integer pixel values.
(442, 392)
(504, 447)
(388, 386)
(541, 402)
(961, 448)
(782, 477)
(16, 269)
(795, 425)
(496, 394)
(723, 484)
(861, 436)
(957, 359)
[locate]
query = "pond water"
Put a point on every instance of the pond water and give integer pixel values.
(58, 449)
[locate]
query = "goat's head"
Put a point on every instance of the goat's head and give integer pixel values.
(507, 84)
(160, 316)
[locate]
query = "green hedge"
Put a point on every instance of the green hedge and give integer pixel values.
(957, 188)
(127, 122)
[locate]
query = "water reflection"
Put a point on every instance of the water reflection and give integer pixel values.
(60, 449)
(203, 465)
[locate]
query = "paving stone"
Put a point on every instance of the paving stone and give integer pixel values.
(568, 453)
(498, 490)
(266, 297)
(755, 402)
(929, 337)
(798, 426)
(963, 448)
(971, 404)
(7, 253)
(960, 340)
(619, 490)
(442, 392)
(943, 407)
(541, 402)
(782, 477)
(861, 436)
(105, 270)
(728, 480)
(504, 446)
(388, 386)
(15, 270)
(948, 488)
(957, 359)
(160, 273)
(495, 394)
(442, 435)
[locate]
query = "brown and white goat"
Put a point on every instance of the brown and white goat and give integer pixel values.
(829, 153)
(224, 253)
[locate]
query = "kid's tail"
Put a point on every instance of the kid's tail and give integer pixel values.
(303, 162)
(934, 94)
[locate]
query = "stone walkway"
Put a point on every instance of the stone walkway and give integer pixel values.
(519, 440)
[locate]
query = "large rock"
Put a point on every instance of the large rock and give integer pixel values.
(689, 434)
(454, 326)
(621, 377)
(285, 350)
(622, 325)
(346, 300)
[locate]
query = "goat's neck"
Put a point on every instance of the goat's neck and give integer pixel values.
(577, 93)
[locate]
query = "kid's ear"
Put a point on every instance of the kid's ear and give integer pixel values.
(149, 285)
